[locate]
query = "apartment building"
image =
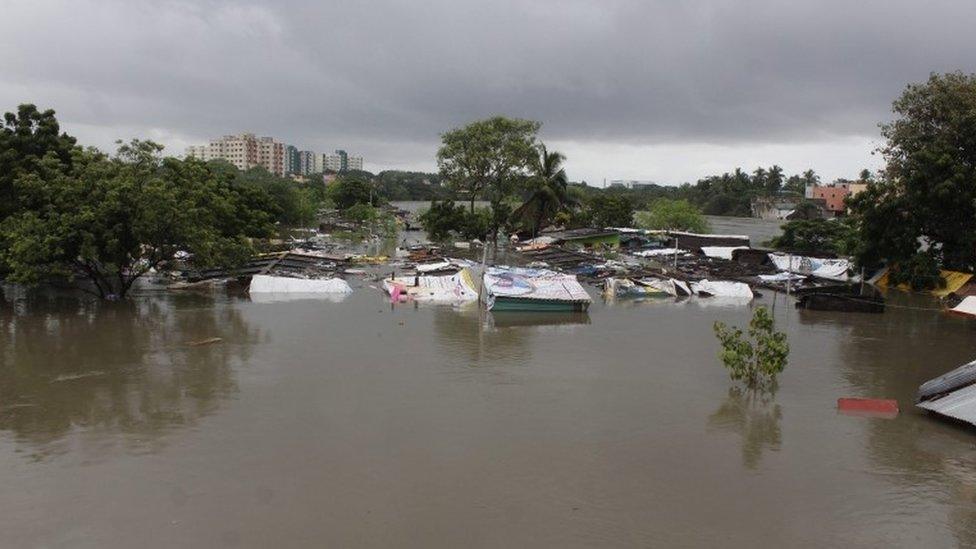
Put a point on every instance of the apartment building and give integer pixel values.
(245, 151)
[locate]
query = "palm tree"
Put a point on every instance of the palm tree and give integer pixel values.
(551, 194)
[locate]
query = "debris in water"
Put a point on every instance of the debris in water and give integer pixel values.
(868, 407)
(72, 377)
(208, 341)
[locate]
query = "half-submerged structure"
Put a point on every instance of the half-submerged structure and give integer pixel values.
(447, 289)
(521, 289)
(951, 395)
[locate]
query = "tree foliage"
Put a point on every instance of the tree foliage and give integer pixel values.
(109, 221)
(488, 159)
(30, 144)
(809, 236)
(609, 210)
(678, 215)
(922, 211)
(550, 192)
(347, 191)
(445, 218)
(758, 359)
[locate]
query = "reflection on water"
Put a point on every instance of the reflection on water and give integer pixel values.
(755, 417)
(68, 364)
(512, 319)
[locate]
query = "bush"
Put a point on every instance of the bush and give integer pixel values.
(757, 362)
(679, 215)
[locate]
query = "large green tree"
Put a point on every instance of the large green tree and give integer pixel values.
(923, 210)
(111, 220)
(488, 158)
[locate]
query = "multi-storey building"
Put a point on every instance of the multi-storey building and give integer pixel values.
(245, 151)
(306, 162)
(340, 161)
(290, 160)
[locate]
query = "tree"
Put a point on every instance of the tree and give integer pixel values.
(774, 180)
(551, 192)
(927, 193)
(347, 191)
(30, 143)
(112, 220)
(755, 361)
(808, 236)
(606, 210)
(487, 158)
(678, 215)
(444, 218)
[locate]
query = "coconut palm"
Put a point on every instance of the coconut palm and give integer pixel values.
(551, 194)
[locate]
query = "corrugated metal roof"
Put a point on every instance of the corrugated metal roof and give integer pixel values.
(958, 378)
(959, 404)
(952, 395)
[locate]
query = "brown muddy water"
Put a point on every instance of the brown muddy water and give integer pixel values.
(356, 424)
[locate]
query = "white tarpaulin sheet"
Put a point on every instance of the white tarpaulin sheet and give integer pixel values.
(659, 252)
(966, 307)
(781, 277)
(832, 269)
(722, 288)
(266, 284)
(454, 288)
(533, 284)
(430, 267)
(721, 252)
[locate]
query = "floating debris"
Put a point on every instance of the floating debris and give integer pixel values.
(868, 407)
(207, 341)
(73, 377)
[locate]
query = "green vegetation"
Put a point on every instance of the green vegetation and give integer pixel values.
(549, 193)
(445, 218)
(758, 359)
(671, 214)
(838, 236)
(109, 220)
(920, 216)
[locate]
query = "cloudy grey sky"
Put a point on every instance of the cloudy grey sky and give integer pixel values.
(648, 89)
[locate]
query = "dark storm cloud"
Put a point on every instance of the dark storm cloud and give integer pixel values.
(399, 73)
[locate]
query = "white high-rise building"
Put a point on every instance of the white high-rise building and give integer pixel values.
(245, 151)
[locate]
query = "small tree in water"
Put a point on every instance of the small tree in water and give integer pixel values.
(757, 362)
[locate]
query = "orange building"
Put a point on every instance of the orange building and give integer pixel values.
(833, 196)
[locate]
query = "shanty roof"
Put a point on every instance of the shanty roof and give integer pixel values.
(580, 234)
(952, 394)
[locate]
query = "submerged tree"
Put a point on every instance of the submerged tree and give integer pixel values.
(758, 359)
(112, 220)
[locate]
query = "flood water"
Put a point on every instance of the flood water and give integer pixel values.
(357, 424)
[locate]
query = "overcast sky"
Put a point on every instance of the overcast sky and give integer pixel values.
(667, 90)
